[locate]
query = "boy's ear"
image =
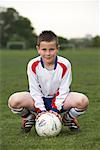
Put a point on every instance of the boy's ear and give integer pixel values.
(58, 47)
(37, 47)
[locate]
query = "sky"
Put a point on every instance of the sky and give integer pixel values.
(67, 18)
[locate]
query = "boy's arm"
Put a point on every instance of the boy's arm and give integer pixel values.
(35, 90)
(63, 90)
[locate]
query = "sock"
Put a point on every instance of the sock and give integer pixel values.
(23, 112)
(74, 112)
(32, 111)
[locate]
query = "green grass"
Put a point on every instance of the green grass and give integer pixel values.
(86, 79)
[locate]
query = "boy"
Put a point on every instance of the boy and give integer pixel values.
(49, 79)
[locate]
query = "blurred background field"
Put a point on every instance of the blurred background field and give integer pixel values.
(86, 79)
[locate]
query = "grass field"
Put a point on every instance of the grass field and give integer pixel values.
(86, 79)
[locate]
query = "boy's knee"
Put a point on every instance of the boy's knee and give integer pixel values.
(13, 101)
(84, 102)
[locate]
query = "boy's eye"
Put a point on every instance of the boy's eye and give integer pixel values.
(51, 49)
(44, 49)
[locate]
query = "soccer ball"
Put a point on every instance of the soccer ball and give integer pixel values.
(48, 124)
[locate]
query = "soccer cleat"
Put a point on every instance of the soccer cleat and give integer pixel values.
(71, 123)
(27, 123)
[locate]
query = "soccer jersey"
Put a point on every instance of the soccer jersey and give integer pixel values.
(46, 83)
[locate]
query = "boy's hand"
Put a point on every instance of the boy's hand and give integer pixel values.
(39, 114)
(43, 112)
(58, 115)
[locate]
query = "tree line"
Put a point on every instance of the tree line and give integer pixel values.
(18, 30)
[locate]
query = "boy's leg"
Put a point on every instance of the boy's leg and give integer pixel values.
(21, 103)
(75, 105)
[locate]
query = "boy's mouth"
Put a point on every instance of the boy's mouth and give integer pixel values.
(47, 57)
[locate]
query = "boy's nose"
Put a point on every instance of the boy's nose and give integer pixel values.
(47, 52)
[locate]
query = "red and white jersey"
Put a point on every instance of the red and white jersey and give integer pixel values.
(49, 83)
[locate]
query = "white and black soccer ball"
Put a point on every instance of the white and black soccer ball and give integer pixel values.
(48, 124)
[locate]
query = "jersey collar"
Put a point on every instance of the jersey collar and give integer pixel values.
(42, 63)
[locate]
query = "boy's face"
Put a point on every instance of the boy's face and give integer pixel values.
(48, 51)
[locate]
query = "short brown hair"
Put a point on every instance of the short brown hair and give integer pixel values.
(47, 36)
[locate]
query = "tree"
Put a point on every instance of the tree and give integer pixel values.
(63, 42)
(96, 41)
(16, 25)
